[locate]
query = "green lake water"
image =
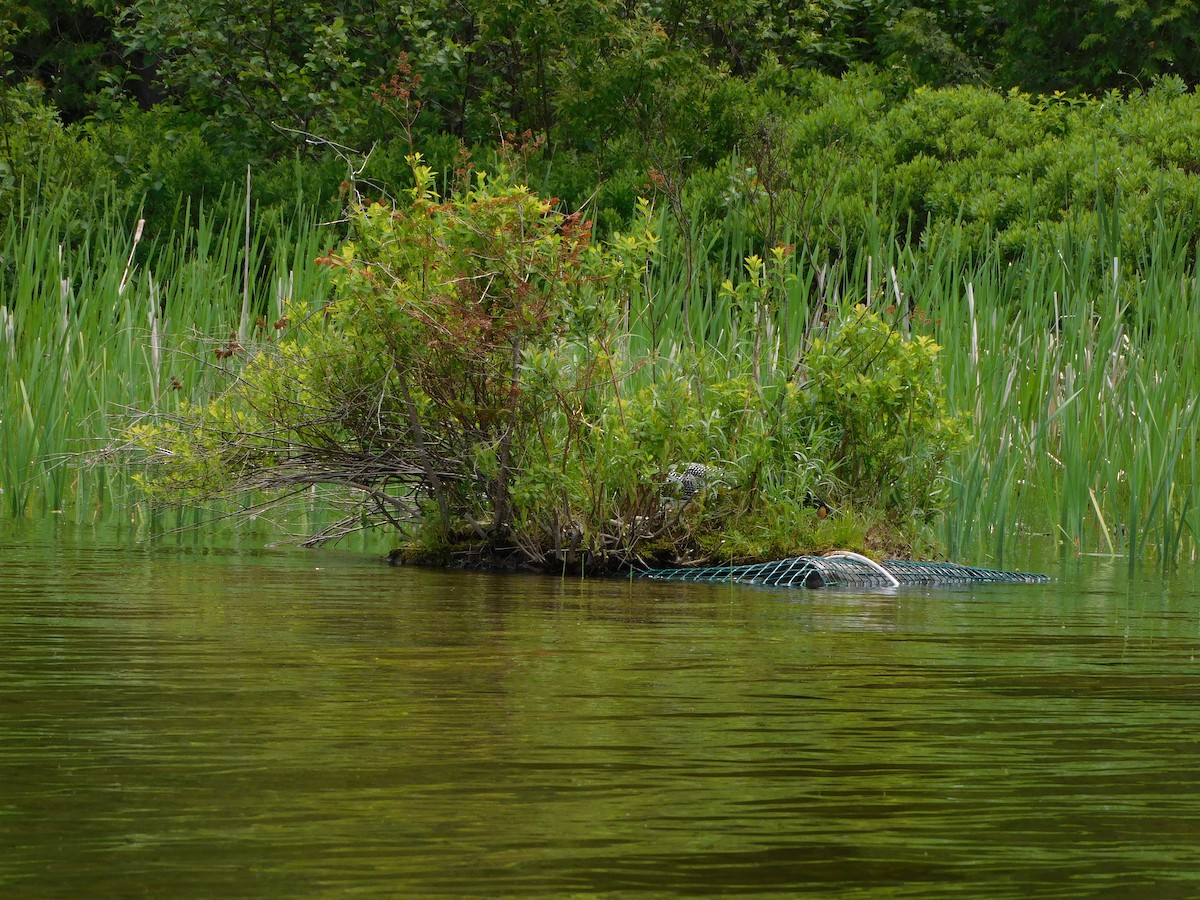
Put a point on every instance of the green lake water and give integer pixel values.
(176, 721)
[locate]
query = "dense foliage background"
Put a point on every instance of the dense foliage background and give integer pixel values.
(161, 100)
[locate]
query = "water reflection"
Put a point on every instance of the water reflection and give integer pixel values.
(287, 723)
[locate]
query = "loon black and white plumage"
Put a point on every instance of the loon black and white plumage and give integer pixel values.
(690, 479)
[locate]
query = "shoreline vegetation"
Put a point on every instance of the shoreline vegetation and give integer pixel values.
(863, 308)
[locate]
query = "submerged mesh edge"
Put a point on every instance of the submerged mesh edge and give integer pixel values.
(843, 572)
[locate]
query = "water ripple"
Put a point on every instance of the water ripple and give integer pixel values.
(282, 723)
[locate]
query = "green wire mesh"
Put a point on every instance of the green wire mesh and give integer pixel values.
(832, 571)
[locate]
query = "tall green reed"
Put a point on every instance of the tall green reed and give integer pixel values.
(1077, 364)
(97, 324)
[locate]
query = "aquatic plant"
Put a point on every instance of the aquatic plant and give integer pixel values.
(1072, 357)
(89, 334)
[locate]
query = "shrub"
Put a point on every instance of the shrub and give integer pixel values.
(878, 396)
(471, 378)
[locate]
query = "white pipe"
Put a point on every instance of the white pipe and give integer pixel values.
(865, 560)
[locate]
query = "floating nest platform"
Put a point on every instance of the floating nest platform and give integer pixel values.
(846, 570)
